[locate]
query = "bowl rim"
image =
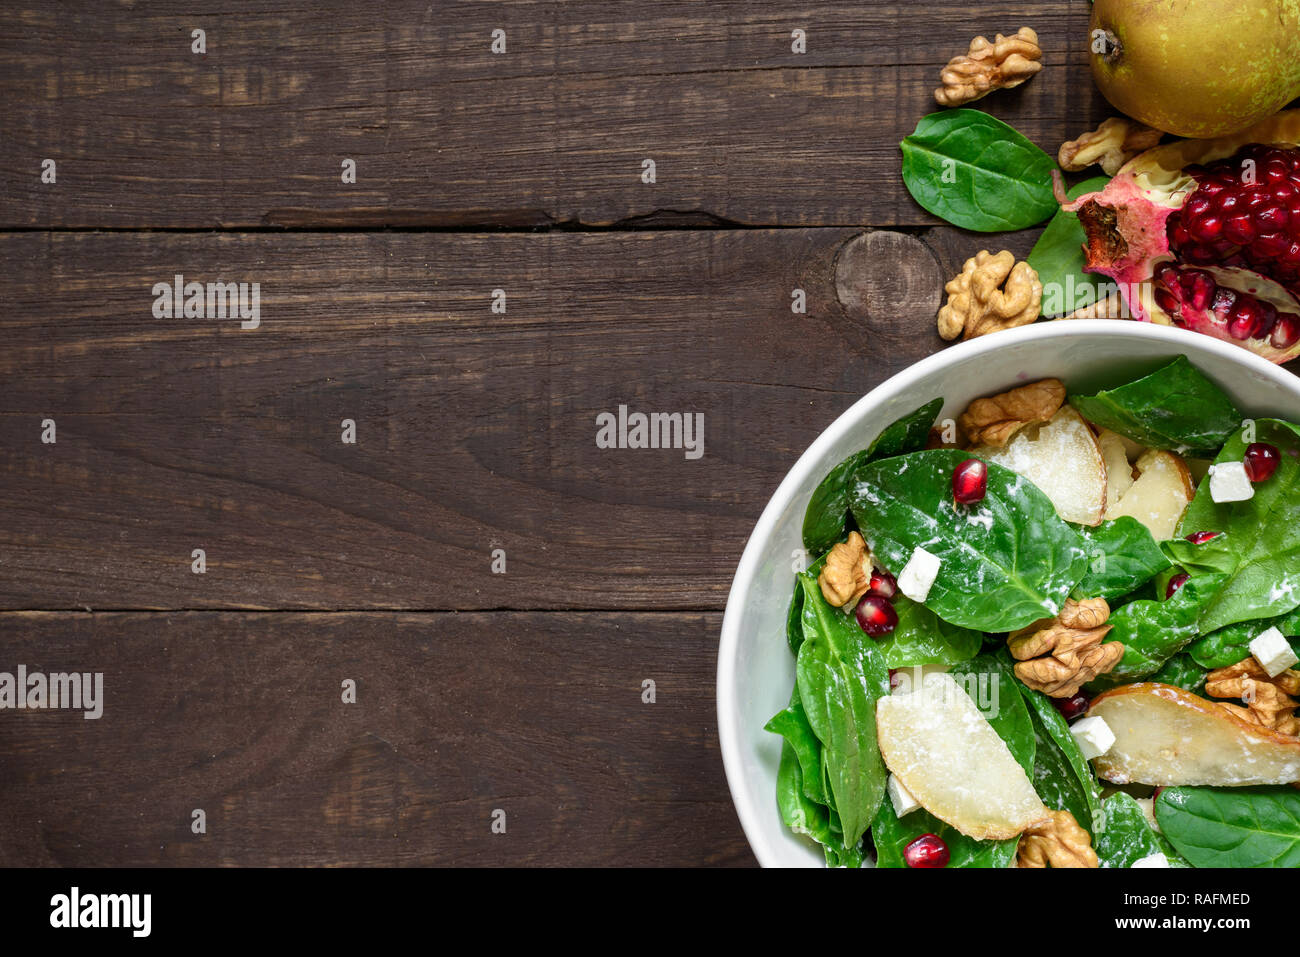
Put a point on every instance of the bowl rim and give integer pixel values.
(730, 740)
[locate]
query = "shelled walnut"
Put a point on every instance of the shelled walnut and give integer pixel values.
(1061, 654)
(1268, 700)
(1057, 842)
(846, 576)
(1112, 144)
(993, 420)
(1000, 65)
(992, 293)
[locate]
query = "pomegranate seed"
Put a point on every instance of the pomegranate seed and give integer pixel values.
(1287, 331)
(970, 482)
(1206, 229)
(1200, 538)
(1261, 461)
(1267, 320)
(1241, 324)
(1072, 708)
(928, 850)
(876, 615)
(883, 585)
(1240, 229)
(1175, 583)
(1167, 301)
(1275, 217)
(894, 679)
(1167, 274)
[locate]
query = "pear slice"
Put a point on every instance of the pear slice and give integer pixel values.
(1159, 496)
(1062, 458)
(1119, 470)
(1165, 735)
(941, 748)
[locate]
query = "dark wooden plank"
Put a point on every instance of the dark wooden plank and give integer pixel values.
(475, 431)
(445, 133)
(540, 715)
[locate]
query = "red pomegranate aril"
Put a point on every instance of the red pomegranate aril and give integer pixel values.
(1175, 583)
(1274, 218)
(1287, 331)
(1200, 538)
(1197, 206)
(1241, 322)
(1167, 301)
(928, 850)
(970, 482)
(1240, 229)
(883, 585)
(1207, 229)
(1072, 708)
(1261, 461)
(1266, 321)
(1270, 246)
(895, 678)
(876, 616)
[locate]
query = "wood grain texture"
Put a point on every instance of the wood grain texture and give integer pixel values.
(540, 715)
(475, 431)
(446, 133)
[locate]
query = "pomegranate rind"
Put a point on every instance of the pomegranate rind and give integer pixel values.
(1167, 736)
(1126, 226)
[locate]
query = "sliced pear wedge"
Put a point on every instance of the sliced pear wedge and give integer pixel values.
(939, 745)
(1159, 496)
(1062, 458)
(1167, 736)
(1119, 470)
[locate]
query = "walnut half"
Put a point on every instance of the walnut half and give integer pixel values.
(993, 420)
(1005, 63)
(1112, 145)
(1062, 654)
(1268, 700)
(992, 293)
(846, 576)
(1057, 842)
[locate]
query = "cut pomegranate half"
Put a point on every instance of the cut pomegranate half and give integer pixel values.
(1205, 234)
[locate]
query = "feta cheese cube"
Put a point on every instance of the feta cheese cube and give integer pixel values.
(901, 797)
(918, 574)
(1093, 736)
(1230, 483)
(1273, 652)
(1153, 860)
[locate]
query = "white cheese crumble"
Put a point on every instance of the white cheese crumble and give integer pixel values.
(1153, 860)
(1093, 736)
(1230, 483)
(918, 575)
(1273, 652)
(901, 797)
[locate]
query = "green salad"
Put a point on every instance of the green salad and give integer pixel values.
(1060, 630)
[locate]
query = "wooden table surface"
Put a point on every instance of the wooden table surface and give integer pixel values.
(476, 171)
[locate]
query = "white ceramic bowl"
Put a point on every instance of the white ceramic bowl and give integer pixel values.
(755, 667)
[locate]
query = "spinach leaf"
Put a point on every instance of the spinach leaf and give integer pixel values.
(1062, 776)
(978, 173)
(794, 615)
(1058, 259)
(1262, 533)
(792, 724)
(892, 834)
(1006, 563)
(997, 696)
(825, 519)
(923, 638)
(1175, 407)
(1152, 632)
(1123, 834)
(1232, 827)
(840, 675)
(799, 812)
(1181, 671)
(1231, 644)
(1122, 557)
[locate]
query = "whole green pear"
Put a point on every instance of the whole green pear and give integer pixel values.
(1197, 68)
